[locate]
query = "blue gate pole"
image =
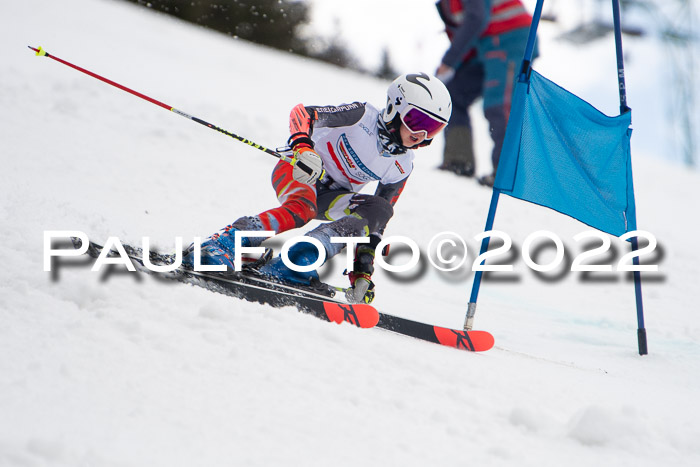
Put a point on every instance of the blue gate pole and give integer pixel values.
(641, 330)
(523, 77)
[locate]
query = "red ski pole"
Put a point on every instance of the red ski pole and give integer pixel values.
(43, 53)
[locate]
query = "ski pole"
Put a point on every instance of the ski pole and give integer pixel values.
(43, 53)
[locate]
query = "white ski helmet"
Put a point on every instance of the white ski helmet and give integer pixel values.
(420, 101)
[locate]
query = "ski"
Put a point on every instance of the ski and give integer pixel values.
(318, 301)
(474, 341)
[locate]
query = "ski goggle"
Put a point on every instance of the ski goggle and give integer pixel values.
(417, 120)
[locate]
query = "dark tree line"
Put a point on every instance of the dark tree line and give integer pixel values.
(274, 23)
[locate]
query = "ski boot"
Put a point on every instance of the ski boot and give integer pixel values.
(301, 254)
(458, 155)
(487, 180)
(220, 248)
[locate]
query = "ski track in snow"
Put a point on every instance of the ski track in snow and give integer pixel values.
(120, 369)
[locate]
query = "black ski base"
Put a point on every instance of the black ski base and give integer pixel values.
(246, 285)
(317, 300)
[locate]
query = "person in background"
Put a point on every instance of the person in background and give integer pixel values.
(487, 42)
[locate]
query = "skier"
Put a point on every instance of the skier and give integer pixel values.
(337, 151)
(488, 39)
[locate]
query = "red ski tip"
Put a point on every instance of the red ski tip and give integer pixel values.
(475, 341)
(361, 315)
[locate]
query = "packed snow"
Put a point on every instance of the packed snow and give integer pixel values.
(115, 368)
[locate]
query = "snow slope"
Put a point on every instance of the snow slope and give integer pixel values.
(119, 369)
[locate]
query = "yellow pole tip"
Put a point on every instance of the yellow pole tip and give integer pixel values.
(41, 52)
